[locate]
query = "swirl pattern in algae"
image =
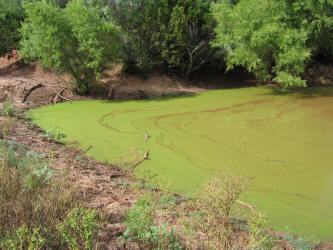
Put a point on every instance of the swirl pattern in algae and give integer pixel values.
(282, 142)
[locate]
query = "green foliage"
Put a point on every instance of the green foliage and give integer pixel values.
(257, 35)
(141, 227)
(35, 171)
(316, 18)
(74, 40)
(273, 39)
(58, 3)
(11, 16)
(140, 220)
(23, 238)
(54, 135)
(165, 33)
(79, 228)
(258, 235)
(9, 109)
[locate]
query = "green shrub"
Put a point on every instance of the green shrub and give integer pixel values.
(11, 16)
(54, 135)
(23, 238)
(141, 227)
(73, 40)
(79, 228)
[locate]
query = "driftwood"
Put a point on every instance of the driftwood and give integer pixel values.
(54, 96)
(251, 208)
(60, 95)
(145, 157)
(39, 85)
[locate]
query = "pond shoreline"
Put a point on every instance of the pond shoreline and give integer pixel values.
(43, 145)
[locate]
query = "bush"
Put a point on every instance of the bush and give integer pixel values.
(74, 40)
(141, 227)
(79, 228)
(273, 39)
(165, 34)
(23, 238)
(9, 109)
(11, 16)
(209, 215)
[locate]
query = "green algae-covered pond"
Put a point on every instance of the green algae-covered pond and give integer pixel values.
(282, 143)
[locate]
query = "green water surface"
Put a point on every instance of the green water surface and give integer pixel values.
(282, 142)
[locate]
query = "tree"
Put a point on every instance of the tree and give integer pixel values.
(256, 34)
(11, 16)
(274, 39)
(168, 34)
(74, 40)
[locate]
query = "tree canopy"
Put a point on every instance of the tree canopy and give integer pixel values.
(276, 40)
(74, 40)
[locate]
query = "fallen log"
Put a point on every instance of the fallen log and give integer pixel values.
(251, 208)
(39, 85)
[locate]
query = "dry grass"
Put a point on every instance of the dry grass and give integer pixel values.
(207, 220)
(34, 200)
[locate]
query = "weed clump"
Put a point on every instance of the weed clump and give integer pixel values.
(9, 110)
(141, 227)
(53, 135)
(79, 228)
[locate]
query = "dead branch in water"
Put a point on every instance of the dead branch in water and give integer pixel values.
(251, 208)
(60, 95)
(54, 96)
(145, 157)
(85, 151)
(39, 85)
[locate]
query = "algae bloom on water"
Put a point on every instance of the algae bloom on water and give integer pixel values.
(282, 142)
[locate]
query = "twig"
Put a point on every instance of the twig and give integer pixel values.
(145, 157)
(39, 85)
(251, 208)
